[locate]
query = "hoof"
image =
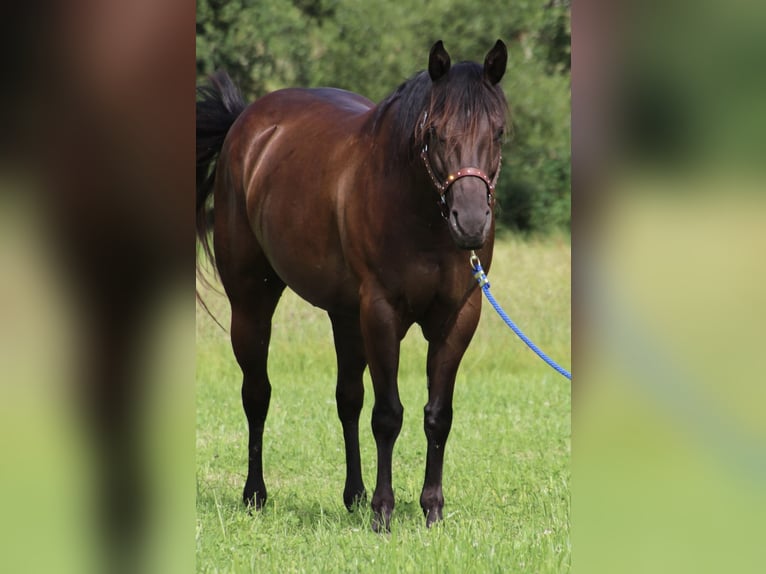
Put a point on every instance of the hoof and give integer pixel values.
(433, 516)
(254, 498)
(432, 502)
(381, 521)
(355, 499)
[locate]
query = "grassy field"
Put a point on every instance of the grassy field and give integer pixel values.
(506, 471)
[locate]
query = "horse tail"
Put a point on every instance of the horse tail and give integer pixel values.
(218, 106)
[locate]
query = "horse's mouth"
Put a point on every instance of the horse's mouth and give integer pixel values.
(464, 239)
(469, 244)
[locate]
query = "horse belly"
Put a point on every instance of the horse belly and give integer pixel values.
(307, 255)
(322, 289)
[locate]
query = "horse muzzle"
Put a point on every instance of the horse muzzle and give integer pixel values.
(468, 213)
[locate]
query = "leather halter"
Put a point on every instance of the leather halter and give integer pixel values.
(443, 186)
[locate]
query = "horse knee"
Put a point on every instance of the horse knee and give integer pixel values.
(387, 421)
(349, 401)
(437, 422)
(256, 396)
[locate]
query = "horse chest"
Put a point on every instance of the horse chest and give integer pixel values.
(424, 282)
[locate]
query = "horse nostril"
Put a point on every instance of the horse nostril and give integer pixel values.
(454, 214)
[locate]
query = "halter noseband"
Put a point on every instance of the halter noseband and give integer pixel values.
(442, 187)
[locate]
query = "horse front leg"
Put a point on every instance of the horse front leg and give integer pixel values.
(381, 330)
(445, 350)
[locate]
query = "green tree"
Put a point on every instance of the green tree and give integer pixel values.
(263, 45)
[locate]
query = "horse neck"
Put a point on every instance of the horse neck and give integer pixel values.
(404, 183)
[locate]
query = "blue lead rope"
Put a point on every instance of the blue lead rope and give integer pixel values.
(481, 278)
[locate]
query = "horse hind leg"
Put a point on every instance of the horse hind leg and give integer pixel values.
(253, 289)
(349, 396)
(250, 336)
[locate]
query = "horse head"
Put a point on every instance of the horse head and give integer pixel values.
(461, 132)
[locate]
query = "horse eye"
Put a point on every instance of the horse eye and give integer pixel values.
(434, 135)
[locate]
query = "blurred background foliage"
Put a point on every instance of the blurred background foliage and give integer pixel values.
(371, 47)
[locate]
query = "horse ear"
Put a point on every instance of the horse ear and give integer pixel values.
(438, 61)
(495, 62)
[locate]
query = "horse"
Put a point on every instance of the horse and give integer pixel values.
(368, 212)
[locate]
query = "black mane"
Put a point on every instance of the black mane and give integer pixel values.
(422, 104)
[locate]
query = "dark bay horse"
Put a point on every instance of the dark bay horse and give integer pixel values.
(367, 212)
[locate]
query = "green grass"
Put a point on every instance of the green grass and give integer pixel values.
(506, 472)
